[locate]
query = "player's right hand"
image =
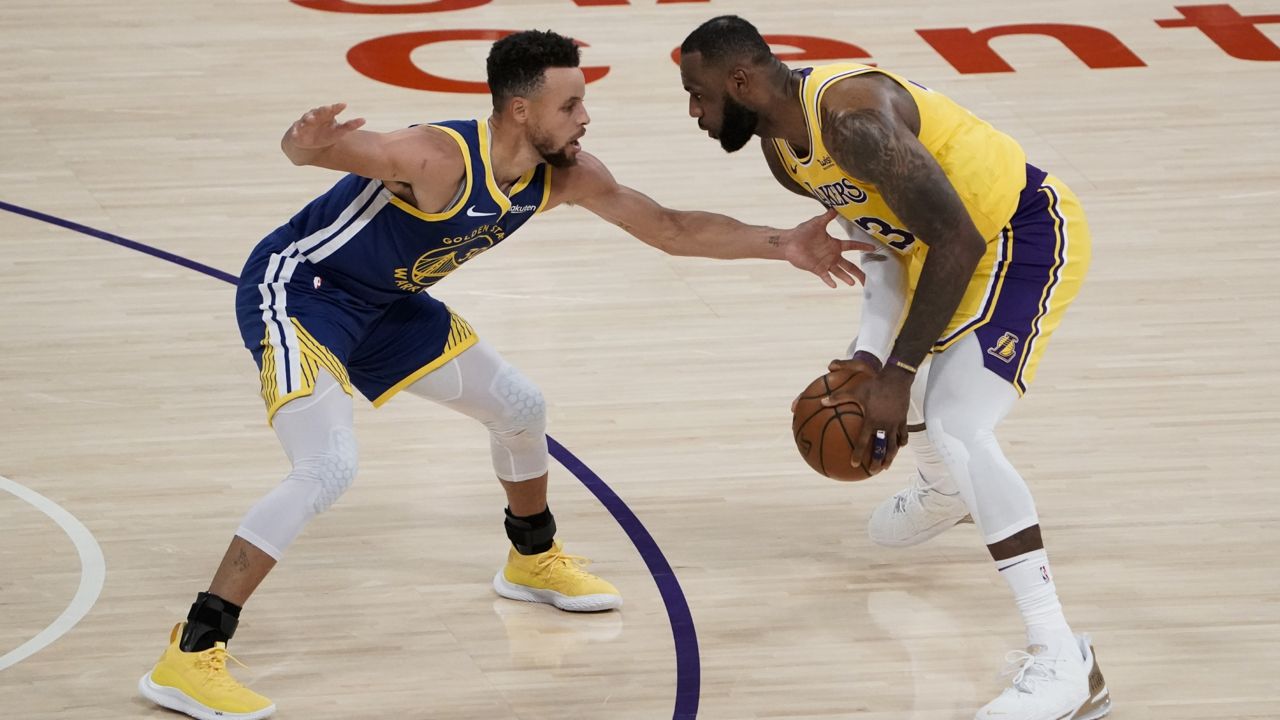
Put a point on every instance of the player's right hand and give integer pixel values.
(319, 127)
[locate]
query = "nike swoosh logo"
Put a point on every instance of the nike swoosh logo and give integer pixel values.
(471, 212)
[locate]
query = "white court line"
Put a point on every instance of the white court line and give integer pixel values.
(93, 571)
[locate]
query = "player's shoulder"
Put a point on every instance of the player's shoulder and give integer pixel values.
(430, 154)
(873, 101)
(588, 166)
(587, 177)
(439, 142)
(861, 91)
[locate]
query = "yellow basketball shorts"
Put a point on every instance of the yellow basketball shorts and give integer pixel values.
(1026, 280)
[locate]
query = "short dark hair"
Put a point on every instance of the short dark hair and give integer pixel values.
(727, 37)
(517, 62)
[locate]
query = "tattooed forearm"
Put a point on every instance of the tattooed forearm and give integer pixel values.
(942, 283)
(872, 145)
(242, 561)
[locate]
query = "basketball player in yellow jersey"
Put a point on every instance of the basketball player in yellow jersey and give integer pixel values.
(982, 251)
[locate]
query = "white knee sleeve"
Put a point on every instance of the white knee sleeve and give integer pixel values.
(997, 496)
(963, 405)
(317, 436)
(518, 436)
(480, 384)
(330, 471)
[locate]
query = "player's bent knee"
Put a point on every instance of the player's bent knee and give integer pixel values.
(523, 408)
(954, 445)
(332, 470)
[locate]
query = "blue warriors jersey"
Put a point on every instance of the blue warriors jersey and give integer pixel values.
(341, 288)
(361, 237)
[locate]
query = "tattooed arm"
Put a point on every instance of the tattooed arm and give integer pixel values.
(869, 127)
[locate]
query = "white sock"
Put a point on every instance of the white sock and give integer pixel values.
(929, 464)
(1029, 578)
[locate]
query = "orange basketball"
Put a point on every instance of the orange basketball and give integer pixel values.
(825, 435)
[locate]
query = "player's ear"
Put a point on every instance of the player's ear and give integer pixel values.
(739, 79)
(519, 109)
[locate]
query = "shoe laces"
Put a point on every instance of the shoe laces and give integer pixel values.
(555, 558)
(900, 502)
(214, 662)
(1027, 669)
(913, 492)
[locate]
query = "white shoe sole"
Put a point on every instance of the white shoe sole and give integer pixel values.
(1097, 707)
(175, 699)
(580, 603)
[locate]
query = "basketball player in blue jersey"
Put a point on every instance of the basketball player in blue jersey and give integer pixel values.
(336, 301)
(1007, 249)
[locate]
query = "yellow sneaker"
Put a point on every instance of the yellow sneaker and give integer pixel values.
(557, 579)
(199, 685)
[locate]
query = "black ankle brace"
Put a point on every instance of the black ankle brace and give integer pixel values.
(211, 620)
(533, 534)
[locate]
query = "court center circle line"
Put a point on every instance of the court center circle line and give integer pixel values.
(93, 572)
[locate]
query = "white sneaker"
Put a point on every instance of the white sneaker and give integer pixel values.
(1066, 687)
(917, 513)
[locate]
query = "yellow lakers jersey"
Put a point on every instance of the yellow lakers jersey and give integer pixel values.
(986, 167)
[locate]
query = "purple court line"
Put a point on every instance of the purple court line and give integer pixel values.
(688, 670)
(688, 679)
(131, 244)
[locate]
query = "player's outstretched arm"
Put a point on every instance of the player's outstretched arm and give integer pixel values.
(318, 138)
(808, 246)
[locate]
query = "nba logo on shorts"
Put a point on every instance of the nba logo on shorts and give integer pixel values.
(1006, 348)
(1044, 573)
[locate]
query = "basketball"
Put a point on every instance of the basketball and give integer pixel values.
(825, 435)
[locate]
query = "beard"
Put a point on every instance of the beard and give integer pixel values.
(557, 157)
(739, 125)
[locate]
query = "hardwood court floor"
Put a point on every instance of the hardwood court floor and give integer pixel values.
(1150, 438)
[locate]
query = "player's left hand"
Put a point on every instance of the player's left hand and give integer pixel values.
(808, 246)
(884, 400)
